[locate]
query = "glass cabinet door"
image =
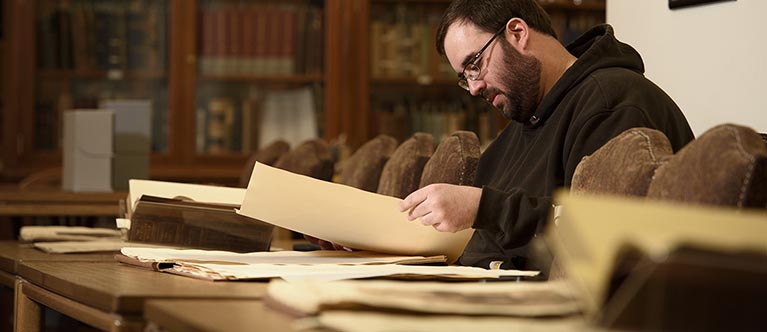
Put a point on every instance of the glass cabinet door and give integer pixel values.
(92, 53)
(413, 88)
(260, 74)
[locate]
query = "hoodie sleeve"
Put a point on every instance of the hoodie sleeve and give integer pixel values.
(514, 216)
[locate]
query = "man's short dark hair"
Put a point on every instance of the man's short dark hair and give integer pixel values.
(491, 15)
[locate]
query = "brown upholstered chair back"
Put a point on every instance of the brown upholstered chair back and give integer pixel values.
(624, 165)
(402, 173)
(267, 155)
(727, 165)
(363, 168)
(455, 160)
(311, 158)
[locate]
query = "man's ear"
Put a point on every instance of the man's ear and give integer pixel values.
(517, 33)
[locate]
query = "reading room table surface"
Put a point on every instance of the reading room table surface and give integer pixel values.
(12, 253)
(110, 295)
(216, 315)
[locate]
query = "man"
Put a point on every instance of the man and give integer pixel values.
(565, 103)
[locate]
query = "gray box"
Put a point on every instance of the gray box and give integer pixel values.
(87, 150)
(132, 140)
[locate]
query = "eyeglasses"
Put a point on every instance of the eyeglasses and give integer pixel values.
(471, 71)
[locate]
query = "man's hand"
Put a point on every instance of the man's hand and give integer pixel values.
(446, 207)
(325, 245)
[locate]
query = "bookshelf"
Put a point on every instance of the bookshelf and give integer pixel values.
(209, 68)
(219, 86)
(412, 88)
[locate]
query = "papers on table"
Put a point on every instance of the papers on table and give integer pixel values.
(316, 265)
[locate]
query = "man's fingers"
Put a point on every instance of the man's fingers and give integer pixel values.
(412, 200)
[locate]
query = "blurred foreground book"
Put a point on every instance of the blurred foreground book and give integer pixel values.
(650, 265)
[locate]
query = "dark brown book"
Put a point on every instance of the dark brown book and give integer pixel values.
(183, 223)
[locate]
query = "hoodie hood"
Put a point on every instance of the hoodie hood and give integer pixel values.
(595, 49)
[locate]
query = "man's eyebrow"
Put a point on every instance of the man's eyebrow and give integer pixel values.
(468, 59)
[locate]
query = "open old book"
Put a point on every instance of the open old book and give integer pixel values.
(634, 259)
(194, 216)
(343, 214)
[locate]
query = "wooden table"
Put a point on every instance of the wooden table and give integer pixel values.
(110, 296)
(215, 315)
(12, 253)
(55, 202)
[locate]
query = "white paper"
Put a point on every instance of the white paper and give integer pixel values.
(264, 257)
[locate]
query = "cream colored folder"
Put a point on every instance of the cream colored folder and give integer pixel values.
(342, 214)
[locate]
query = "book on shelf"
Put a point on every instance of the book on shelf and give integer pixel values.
(194, 216)
(402, 43)
(103, 35)
(260, 38)
(220, 120)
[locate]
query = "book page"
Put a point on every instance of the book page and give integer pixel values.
(344, 215)
(196, 192)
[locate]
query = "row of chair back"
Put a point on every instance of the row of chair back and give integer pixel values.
(725, 166)
(380, 165)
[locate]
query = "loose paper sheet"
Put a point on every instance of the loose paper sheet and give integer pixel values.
(161, 255)
(66, 233)
(344, 215)
(334, 272)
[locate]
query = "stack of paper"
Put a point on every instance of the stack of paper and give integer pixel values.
(387, 306)
(530, 299)
(66, 233)
(290, 265)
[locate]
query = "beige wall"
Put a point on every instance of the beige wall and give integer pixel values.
(712, 59)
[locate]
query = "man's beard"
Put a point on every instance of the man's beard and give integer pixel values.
(523, 75)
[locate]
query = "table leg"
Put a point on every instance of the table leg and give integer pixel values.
(27, 312)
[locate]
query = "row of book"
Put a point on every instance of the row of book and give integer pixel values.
(102, 35)
(439, 118)
(402, 39)
(402, 44)
(241, 123)
(260, 38)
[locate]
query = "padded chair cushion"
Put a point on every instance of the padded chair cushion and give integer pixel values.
(727, 165)
(402, 173)
(311, 158)
(624, 165)
(267, 155)
(363, 169)
(455, 160)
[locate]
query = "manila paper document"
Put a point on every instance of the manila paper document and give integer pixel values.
(344, 215)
